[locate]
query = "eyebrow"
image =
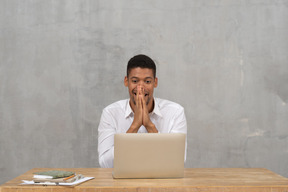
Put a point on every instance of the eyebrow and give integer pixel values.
(138, 77)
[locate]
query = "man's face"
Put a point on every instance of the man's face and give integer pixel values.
(141, 78)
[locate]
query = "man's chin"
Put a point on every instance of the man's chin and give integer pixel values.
(147, 100)
(132, 100)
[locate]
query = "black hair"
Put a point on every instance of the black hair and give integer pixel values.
(141, 61)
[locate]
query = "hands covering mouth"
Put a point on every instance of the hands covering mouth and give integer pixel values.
(140, 91)
(146, 94)
(141, 113)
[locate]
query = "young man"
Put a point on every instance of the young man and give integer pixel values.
(141, 113)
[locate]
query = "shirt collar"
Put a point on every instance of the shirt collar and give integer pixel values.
(128, 110)
(156, 110)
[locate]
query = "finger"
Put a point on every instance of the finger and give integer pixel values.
(144, 106)
(142, 101)
(139, 92)
(137, 98)
(142, 97)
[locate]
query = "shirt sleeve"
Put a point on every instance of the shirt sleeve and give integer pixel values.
(180, 125)
(106, 131)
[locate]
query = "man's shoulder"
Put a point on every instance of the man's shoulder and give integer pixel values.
(121, 104)
(164, 103)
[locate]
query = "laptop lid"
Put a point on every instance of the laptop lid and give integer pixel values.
(149, 155)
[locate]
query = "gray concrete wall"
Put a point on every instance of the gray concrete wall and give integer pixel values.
(63, 61)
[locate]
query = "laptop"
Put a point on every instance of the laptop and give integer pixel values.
(149, 155)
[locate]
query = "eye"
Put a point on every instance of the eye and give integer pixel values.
(147, 81)
(134, 81)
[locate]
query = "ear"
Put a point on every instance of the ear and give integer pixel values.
(155, 82)
(126, 81)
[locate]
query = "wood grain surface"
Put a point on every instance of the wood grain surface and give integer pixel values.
(195, 179)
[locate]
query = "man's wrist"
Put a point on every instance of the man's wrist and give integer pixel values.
(151, 128)
(133, 129)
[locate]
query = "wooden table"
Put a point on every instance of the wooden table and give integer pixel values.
(195, 179)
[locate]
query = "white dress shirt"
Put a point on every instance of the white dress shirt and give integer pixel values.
(167, 116)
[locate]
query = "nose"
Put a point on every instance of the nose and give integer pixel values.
(140, 84)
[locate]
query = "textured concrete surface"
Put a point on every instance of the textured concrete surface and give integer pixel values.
(62, 62)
